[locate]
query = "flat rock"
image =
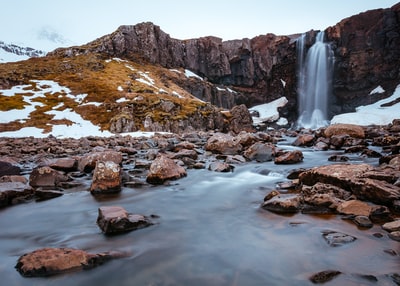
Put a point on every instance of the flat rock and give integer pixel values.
(218, 166)
(52, 261)
(354, 207)
(46, 177)
(334, 238)
(392, 226)
(115, 219)
(324, 276)
(260, 152)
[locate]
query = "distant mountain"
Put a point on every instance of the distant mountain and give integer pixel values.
(14, 53)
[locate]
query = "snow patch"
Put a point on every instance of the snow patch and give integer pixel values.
(268, 112)
(378, 89)
(373, 114)
(189, 73)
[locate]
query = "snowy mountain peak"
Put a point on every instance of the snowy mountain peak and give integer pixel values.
(14, 53)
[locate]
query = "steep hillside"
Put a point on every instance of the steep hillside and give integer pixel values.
(115, 94)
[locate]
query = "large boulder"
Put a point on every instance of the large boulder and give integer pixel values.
(351, 130)
(51, 261)
(115, 219)
(107, 178)
(163, 169)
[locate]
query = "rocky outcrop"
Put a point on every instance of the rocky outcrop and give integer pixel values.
(263, 68)
(366, 56)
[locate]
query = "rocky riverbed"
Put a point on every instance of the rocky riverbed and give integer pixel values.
(355, 181)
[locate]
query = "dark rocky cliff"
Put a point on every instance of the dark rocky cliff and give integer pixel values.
(261, 69)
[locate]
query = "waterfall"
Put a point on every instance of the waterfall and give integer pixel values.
(314, 81)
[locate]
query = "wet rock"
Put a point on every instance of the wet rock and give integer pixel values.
(87, 163)
(290, 157)
(375, 191)
(392, 226)
(261, 152)
(380, 214)
(338, 158)
(324, 195)
(218, 166)
(354, 207)
(64, 164)
(334, 238)
(321, 146)
(304, 140)
(7, 168)
(395, 235)
(352, 130)
(42, 195)
(52, 261)
(13, 192)
(340, 175)
(235, 159)
(185, 153)
(223, 144)
(46, 177)
(163, 169)
(115, 219)
(284, 203)
(363, 221)
(14, 178)
(324, 276)
(106, 178)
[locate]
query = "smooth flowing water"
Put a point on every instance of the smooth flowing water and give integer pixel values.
(315, 68)
(211, 231)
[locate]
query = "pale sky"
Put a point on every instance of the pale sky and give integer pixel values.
(82, 21)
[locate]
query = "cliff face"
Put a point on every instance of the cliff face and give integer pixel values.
(261, 69)
(367, 54)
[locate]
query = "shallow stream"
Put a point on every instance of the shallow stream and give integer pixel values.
(210, 231)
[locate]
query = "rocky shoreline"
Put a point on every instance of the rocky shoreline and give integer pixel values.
(42, 169)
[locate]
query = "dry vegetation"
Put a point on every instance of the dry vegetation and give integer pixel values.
(103, 81)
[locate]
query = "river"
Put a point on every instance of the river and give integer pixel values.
(210, 231)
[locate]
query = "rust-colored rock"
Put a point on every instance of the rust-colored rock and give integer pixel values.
(351, 130)
(88, 162)
(223, 144)
(52, 261)
(290, 157)
(163, 169)
(106, 178)
(46, 177)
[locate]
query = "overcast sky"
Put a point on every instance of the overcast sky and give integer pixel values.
(81, 21)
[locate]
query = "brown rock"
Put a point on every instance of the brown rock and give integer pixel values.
(283, 203)
(114, 219)
(352, 130)
(88, 162)
(51, 261)
(290, 157)
(46, 177)
(7, 168)
(261, 152)
(220, 167)
(224, 144)
(375, 191)
(241, 119)
(355, 207)
(340, 175)
(64, 164)
(304, 140)
(106, 178)
(164, 168)
(11, 192)
(392, 226)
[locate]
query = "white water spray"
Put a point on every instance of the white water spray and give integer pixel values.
(314, 82)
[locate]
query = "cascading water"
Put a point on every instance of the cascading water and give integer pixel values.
(314, 81)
